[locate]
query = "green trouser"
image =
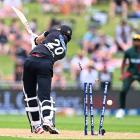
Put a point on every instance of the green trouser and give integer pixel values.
(125, 88)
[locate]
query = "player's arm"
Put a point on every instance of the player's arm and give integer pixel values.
(124, 65)
(39, 39)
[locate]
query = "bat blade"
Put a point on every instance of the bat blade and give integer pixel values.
(23, 19)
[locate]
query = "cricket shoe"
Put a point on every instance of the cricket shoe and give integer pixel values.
(38, 129)
(49, 126)
(120, 113)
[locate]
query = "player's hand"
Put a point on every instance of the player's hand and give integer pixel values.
(125, 75)
(33, 36)
(121, 77)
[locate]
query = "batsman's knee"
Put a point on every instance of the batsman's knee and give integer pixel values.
(47, 109)
(31, 104)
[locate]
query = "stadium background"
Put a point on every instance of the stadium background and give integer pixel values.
(81, 16)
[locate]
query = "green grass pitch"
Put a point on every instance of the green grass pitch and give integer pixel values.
(111, 124)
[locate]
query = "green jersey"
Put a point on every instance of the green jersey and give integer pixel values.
(133, 57)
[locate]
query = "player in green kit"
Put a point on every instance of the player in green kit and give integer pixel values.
(130, 71)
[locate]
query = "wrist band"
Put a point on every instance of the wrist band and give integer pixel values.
(46, 33)
(35, 41)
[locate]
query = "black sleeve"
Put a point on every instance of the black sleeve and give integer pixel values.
(46, 33)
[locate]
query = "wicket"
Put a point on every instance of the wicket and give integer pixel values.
(101, 130)
(88, 92)
(86, 107)
(91, 108)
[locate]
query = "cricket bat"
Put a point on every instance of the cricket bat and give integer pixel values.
(26, 24)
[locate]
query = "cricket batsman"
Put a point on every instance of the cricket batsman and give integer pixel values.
(130, 71)
(37, 75)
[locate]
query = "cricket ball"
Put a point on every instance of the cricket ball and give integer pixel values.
(109, 102)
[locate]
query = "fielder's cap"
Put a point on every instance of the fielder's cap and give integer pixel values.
(136, 36)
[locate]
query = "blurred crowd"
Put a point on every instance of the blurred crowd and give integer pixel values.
(96, 56)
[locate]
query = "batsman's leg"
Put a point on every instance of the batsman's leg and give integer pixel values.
(46, 103)
(31, 102)
(32, 111)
